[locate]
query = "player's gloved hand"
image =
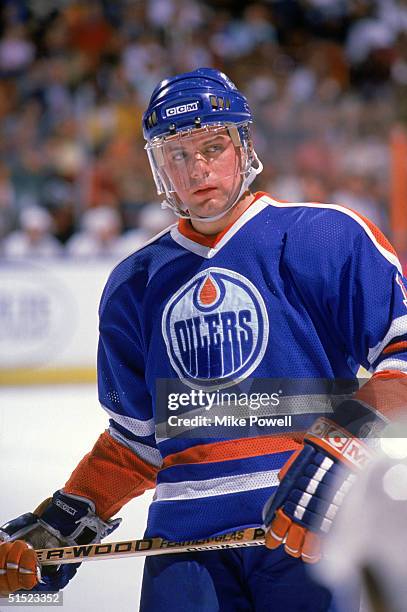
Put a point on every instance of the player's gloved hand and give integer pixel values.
(19, 567)
(313, 485)
(64, 520)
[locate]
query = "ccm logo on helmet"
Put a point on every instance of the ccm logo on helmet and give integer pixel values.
(182, 108)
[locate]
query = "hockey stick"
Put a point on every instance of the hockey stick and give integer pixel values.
(251, 536)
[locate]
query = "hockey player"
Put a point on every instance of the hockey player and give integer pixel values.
(242, 285)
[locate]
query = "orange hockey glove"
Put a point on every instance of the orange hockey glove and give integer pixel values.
(19, 567)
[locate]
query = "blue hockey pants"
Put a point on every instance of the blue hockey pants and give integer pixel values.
(234, 580)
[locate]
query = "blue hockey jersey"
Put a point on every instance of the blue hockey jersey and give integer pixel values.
(289, 290)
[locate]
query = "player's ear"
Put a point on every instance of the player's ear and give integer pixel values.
(250, 148)
(250, 157)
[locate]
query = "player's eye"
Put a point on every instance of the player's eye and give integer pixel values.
(178, 155)
(213, 149)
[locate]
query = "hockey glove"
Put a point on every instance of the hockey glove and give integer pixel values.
(64, 520)
(313, 485)
(19, 567)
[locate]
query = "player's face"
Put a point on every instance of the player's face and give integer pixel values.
(204, 169)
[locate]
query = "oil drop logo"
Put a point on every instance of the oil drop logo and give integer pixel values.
(216, 329)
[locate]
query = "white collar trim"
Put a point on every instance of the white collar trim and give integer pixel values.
(209, 252)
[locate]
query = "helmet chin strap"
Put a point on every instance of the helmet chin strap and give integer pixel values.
(246, 182)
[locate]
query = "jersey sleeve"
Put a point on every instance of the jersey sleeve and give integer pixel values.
(372, 312)
(352, 281)
(122, 387)
(125, 459)
(367, 300)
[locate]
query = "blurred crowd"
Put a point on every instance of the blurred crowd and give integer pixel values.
(326, 80)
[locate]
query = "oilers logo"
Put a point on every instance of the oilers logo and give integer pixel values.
(216, 329)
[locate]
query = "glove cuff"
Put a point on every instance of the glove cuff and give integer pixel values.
(18, 528)
(339, 444)
(73, 519)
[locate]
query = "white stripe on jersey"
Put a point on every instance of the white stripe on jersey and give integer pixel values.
(149, 241)
(398, 327)
(209, 252)
(146, 453)
(136, 426)
(393, 259)
(195, 489)
(392, 364)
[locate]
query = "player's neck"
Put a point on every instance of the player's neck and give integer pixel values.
(215, 227)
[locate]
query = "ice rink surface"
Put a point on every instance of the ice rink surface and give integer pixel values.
(44, 432)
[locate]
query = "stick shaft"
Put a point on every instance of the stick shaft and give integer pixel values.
(251, 536)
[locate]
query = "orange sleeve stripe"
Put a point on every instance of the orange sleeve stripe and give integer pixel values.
(378, 234)
(394, 348)
(232, 449)
(389, 374)
(111, 475)
(386, 392)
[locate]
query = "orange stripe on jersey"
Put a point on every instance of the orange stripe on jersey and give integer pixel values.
(232, 449)
(385, 392)
(378, 234)
(389, 374)
(111, 475)
(185, 228)
(395, 347)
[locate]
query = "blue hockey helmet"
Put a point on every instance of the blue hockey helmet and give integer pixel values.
(183, 105)
(195, 98)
